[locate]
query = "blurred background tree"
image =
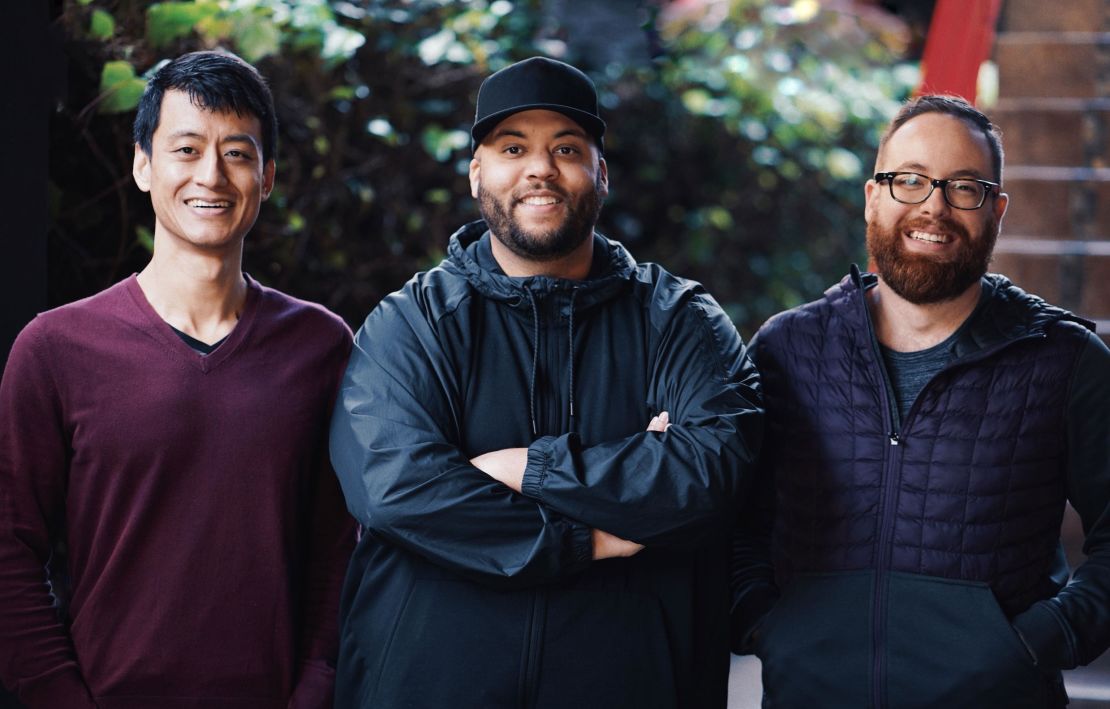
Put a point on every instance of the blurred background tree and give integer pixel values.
(741, 132)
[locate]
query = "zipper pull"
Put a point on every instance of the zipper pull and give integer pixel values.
(894, 440)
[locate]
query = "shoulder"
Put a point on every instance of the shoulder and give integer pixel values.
(54, 336)
(836, 309)
(289, 310)
(298, 326)
(425, 300)
(94, 314)
(681, 309)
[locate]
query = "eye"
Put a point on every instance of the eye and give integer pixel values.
(965, 186)
(513, 150)
(239, 154)
(909, 180)
(566, 150)
(186, 150)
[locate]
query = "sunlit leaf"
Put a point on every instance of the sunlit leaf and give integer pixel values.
(119, 87)
(102, 25)
(145, 237)
(256, 37)
(167, 21)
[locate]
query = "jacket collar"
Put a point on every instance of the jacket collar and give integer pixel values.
(1008, 314)
(613, 266)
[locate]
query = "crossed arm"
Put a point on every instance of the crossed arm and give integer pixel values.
(507, 466)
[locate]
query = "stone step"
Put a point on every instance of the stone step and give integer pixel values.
(1062, 65)
(1055, 132)
(1058, 202)
(1026, 15)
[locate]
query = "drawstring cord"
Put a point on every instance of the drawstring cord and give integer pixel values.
(570, 358)
(535, 362)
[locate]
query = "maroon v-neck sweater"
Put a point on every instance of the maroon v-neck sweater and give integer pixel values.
(205, 532)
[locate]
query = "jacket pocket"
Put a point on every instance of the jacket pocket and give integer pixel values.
(453, 644)
(815, 643)
(607, 650)
(949, 644)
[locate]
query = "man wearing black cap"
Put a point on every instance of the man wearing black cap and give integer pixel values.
(527, 542)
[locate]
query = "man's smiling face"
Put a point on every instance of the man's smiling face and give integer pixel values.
(539, 182)
(931, 252)
(205, 174)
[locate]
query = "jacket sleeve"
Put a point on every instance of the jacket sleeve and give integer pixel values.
(37, 659)
(331, 539)
(394, 448)
(1073, 628)
(751, 573)
(672, 489)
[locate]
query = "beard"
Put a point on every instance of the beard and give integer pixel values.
(921, 279)
(549, 244)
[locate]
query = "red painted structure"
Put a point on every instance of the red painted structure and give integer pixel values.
(960, 38)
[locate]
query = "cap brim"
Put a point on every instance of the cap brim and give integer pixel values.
(593, 125)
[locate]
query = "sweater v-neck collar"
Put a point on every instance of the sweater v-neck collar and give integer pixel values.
(163, 331)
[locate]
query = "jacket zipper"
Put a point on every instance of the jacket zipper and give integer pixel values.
(892, 472)
(552, 413)
(533, 642)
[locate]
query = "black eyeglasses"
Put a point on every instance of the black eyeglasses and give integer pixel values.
(960, 193)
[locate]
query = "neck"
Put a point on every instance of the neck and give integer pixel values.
(198, 293)
(575, 266)
(908, 327)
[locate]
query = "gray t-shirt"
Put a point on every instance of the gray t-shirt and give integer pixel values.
(909, 372)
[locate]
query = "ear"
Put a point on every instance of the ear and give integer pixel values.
(268, 179)
(475, 176)
(1001, 202)
(870, 195)
(602, 177)
(140, 169)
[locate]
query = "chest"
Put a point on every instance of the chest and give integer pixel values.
(528, 374)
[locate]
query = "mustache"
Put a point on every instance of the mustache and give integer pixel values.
(518, 195)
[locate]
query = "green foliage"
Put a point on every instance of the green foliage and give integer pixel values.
(119, 87)
(102, 25)
(167, 21)
(736, 152)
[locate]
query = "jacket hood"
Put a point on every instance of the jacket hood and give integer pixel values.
(613, 267)
(1010, 313)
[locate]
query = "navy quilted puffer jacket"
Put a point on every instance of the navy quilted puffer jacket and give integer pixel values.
(917, 563)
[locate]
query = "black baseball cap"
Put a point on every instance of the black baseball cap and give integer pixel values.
(540, 83)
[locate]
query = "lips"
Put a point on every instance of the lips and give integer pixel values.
(208, 204)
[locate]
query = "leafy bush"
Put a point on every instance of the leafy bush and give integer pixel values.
(740, 135)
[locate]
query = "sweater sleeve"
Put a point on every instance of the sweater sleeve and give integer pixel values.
(37, 660)
(331, 539)
(1073, 628)
(406, 480)
(673, 489)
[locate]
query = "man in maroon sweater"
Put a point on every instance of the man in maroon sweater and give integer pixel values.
(169, 434)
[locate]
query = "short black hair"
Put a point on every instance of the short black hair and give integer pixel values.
(214, 81)
(956, 107)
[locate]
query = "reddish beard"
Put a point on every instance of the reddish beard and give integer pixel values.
(920, 278)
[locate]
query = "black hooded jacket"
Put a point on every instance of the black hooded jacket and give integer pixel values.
(463, 593)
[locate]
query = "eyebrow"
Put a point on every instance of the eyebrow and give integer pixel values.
(233, 138)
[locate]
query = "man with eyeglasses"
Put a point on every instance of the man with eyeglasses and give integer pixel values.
(926, 425)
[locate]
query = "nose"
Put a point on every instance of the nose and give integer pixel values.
(210, 170)
(542, 166)
(935, 203)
